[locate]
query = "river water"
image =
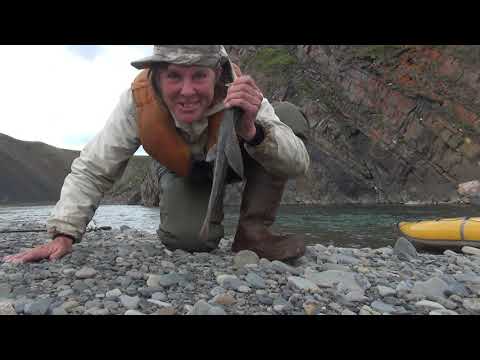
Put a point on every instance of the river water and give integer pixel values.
(345, 226)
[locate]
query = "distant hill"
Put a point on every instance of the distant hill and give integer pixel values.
(34, 172)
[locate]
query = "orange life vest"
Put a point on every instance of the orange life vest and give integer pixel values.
(157, 130)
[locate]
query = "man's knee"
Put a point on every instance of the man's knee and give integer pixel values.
(183, 206)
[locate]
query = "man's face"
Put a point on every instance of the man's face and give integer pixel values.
(187, 90)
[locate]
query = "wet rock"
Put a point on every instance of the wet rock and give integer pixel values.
(113, 293)
(283, 268)
(201, 307)
(224, 299)
(380, 306)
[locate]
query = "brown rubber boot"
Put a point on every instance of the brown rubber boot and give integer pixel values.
(260, 201)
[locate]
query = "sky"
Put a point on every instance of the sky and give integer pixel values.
(63, 95)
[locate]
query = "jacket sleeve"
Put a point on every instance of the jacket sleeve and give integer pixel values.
(100, 164)
(281, 153)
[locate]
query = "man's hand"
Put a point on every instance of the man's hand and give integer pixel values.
(54, 250)
(244, 94)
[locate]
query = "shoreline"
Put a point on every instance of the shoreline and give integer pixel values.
(131, 272)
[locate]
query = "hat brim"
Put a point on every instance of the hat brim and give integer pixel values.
(145, 62)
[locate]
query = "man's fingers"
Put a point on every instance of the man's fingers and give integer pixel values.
(36, 254)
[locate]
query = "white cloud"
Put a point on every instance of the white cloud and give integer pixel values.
(62, 95)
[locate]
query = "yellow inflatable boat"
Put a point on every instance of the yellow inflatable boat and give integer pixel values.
(443, 233)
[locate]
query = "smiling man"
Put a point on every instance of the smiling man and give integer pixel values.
(173, 108)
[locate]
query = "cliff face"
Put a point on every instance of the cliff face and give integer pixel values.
(387, 123)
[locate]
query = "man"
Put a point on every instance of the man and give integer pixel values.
(174, 108)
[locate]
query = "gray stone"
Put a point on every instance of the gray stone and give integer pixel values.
(124, 228)
(244, 289)
(302, 284)
(382, 307)
(65, 293)
(7, 308)
(347, 312)
(405, 250)
(330, 278)
(264, 299)
(283, 268)
(471, 250)
(70, 305)
(201, 307)
(442, 312)
(134, 274)
(85, 273)
(355, 296)
(5, 290)
(450, 253)
(229, 281)
(153, 281)
(472, 305)
(133, 312)
(39, 307)
(330, 266)
(245, 257)
(159, 296)
(159, 303)
(430, 305)
(129, 302)
(255, 281)
(385, 291)
(432, 288)
(59, 311)
(348, 260)
(217, 290)
(468, 278)
(113, 293)
(170, 279)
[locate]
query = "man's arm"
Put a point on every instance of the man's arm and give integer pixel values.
(281, 152)
(100, 164)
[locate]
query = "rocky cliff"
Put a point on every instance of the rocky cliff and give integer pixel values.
(388, 124)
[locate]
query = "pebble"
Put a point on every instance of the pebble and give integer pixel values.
(6, 308)
(223, 299)
(245, 257)
(85, 273)
(302, 284)
(430, 305)
(472, 305)
(471, 250)
(113, 293)
(130, 302)
(149, 280)
(133, 312)
(159, 303)
(385, 291)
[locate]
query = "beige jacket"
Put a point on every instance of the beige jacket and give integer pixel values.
(104, 159)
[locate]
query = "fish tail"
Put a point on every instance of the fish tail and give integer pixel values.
(204, 230)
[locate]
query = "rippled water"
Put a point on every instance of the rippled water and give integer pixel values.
(349, 226)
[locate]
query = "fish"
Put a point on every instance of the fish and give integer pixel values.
(228, 154)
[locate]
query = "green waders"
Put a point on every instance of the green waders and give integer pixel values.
(183, 201)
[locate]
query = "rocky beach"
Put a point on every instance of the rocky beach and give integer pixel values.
(127, 272)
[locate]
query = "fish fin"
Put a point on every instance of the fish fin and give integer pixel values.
(203, 235)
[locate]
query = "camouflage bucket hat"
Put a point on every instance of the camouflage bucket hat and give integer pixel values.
(200, 55)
